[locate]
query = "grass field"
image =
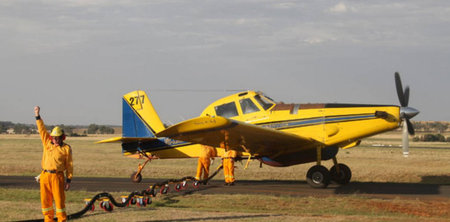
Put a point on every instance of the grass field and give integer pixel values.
(21, 155)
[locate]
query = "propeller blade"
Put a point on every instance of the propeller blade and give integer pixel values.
(410, 127)
(405, 138)
(406, 96)
(399, 87)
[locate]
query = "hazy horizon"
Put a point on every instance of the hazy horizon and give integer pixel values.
(76, 58)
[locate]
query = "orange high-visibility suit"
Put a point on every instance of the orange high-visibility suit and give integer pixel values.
(56, 160)
(228, 166)
(204, 161)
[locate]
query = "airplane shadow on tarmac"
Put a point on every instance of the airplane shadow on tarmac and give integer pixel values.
(430, 185)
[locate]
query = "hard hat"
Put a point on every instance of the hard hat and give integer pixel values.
(57, 131)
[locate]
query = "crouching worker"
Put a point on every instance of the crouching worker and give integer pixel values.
(204, 161)
(228, 158)
(56, 160)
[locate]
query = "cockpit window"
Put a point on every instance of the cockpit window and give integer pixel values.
(226, 110)
(265, 103)
(248, 106)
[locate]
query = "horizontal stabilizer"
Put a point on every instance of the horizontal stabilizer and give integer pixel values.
(126, 139)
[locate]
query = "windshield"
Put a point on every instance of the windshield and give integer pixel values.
(226, 110)
(248, 106)
(264, 102)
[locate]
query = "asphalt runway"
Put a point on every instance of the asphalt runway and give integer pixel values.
(264, 187)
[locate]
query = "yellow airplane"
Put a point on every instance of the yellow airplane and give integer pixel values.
(276, 134)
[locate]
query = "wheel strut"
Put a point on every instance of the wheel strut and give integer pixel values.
(136, 177)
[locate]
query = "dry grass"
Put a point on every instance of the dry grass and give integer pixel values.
(21, 155)
(23, 204)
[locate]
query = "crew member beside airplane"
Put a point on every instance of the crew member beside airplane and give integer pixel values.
(56, 160)
(228, 166)
(204, 161)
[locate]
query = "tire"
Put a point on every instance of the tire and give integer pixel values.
(136, 177)
(343, 176)
(148, 200)
(318, 177)
(109, 207)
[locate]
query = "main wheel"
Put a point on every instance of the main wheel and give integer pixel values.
(136, 177)
(318, 176)
(343, 176)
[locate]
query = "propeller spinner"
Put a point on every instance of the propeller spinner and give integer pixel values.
(406, 113)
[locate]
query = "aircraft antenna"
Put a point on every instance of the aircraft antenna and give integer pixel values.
(198, 90)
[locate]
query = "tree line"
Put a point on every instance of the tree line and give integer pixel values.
(20, 128)
(435, 126)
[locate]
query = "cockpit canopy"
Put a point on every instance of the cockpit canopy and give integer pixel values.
(239, 104)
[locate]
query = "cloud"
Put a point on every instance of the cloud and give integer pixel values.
(341, 8)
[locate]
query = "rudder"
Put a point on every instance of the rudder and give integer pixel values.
(139, 118)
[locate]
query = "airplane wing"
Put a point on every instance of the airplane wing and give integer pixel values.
(242, 136)
(126, 139)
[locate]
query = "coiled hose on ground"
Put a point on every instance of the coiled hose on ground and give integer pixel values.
(150, 192)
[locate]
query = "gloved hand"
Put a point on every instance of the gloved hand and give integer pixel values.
(37, 178)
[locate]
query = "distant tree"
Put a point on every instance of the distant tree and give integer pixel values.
(433, 138)
(22, 129)
(68, 130)
(92, 129)
(5, 125)
(99, 129)
(440, 127)
(106, 130)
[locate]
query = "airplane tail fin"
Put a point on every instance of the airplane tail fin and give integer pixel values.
(139, 118)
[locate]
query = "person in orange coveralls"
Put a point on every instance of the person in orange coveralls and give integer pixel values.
(228, 160)
(56, 160)
(228, 166)
(206, 153)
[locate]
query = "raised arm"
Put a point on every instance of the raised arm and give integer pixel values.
(45, 136)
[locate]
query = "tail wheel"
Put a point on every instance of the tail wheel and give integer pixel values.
(343, 176)
(318, 177)
(136, 177)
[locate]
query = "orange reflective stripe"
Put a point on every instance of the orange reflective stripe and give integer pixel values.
(60, 210)
(47, 209)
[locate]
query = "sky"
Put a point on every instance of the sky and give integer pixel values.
(76, 58)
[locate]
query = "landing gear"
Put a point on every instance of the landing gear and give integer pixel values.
(318, 176)
(136, 177)
(341, 174)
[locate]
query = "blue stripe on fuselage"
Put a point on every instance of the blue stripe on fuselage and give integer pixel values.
(314, 121)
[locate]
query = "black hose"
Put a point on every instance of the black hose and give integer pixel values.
(147, 192)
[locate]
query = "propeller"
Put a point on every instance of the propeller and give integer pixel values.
(406, 113)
